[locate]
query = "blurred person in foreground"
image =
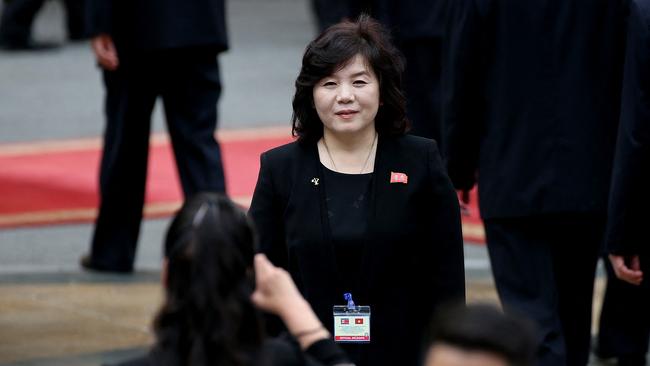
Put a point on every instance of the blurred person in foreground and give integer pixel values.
(627, 238)
(480, 335)
(355, 205)
(530, 114)
(149, 49)
(215, 284)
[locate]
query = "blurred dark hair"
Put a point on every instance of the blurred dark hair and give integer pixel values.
(482, 327)
(207, 317)
(331, 51)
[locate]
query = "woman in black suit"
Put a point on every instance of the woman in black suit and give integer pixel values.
(355, 205)
(210, 314)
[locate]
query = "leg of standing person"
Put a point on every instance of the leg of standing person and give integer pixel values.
(16, 23)
(330, 12)
(624, 326)
(544, 269)
(577, 242)
(422, 86)
(522, 266)
(130, 97)
(190, 98)
(75, 19)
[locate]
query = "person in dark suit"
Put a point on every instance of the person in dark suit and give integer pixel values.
(528, 115)
(148, 49)
(627, 240)
(210, 314)
(355, 205)
(18, 17)
(418, 27)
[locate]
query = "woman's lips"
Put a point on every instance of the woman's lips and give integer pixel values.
(346, 114)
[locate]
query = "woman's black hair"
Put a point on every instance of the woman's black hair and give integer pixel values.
(331, 51)
(207, 317)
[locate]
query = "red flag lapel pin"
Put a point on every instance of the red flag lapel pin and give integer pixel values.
(396, 177)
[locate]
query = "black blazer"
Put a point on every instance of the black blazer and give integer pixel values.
(530, 102)
(137, 25)
(413, 257)
(629, 200)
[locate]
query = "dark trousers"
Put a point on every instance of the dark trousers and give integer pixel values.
(189, 84)
(330, 12)
(18, 16)
(422, 86)
(624, 327)
(544, 269)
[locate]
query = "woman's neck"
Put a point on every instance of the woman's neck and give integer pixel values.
(350, 154)
(349, 143)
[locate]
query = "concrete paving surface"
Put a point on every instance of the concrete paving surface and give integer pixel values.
(51, 312)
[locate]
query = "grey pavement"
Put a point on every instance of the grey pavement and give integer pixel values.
(58, 95)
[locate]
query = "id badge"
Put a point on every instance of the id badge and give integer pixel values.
(351, 325)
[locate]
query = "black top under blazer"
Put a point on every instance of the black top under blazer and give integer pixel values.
(531, 93)
(413, 256)
(629, 199)
(140, 25)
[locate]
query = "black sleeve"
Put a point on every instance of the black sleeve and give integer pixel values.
(628, 199)
(443, 248)
(267, 211)
(99, 17)
(461, 98)
(326, 352)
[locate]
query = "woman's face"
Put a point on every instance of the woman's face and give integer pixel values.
(347, 101)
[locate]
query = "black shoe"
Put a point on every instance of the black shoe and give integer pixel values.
(86, 263)
(28, 46)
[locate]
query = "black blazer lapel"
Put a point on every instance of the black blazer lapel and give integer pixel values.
(309, 188)
(380, 184)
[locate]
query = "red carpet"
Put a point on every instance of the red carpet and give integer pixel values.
(46, 183)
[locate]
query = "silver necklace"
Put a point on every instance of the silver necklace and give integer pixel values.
(374, 140)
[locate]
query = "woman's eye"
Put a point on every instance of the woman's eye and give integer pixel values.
(329, 83)
(359, 82)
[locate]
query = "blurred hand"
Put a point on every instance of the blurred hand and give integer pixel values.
(105, 51)
(275, 291)
(631, 272)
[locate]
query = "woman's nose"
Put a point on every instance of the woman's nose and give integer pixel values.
(345, 94)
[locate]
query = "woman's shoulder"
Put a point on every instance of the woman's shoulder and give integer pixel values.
(413, 142)
(409, 145)
(286, 152)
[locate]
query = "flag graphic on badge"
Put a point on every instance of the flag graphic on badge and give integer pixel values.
(345, 321)
(396, 177)
(358, 321)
